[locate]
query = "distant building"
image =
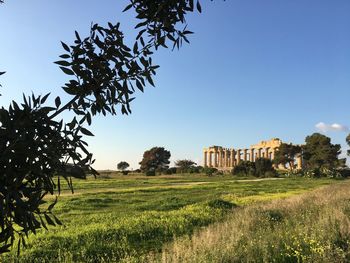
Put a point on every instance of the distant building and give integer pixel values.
(226, 158)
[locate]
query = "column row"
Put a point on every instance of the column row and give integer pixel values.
(222, 158)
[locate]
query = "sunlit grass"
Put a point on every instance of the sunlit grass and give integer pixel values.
(312, 227)
(109, 219)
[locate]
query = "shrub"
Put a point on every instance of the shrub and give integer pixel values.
(221, 204)
(264, 166)
(209, 170)
(171, 170)
(322, 172)
(345, 172)
(244, 168)
(150, 173)
(194, 170)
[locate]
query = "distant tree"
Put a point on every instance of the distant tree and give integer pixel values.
(319, 152)
(184, 166)
(348, 142)
(155, 159)
(171, 170)
(244, 168)
(122, 166)
(286, 154)
(263, 166)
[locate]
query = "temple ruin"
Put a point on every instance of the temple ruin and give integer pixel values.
(226, 158)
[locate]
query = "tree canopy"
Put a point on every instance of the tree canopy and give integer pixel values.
(122, 166)
(184, 165)
(155, 159)
(286, 154)
(319, 152)
(348, 142)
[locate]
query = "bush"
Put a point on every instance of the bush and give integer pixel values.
(244, 168)
(194, 170)
(263, 166)
(221, 204)
(345, 172)
(150, 173)
(330, 173)
(171, 170)
(126, 172)
(209, 170)
(323, 172)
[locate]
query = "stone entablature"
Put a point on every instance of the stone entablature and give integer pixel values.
(226, 158)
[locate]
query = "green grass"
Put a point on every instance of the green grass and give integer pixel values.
(109, 219)
(311, 227)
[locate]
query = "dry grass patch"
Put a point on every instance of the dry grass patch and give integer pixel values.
(312, 227)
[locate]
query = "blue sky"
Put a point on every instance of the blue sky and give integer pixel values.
(254, 70)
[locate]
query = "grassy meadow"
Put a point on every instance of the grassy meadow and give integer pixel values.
(138, 219)
(312, 227)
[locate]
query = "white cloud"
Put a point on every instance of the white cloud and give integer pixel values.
(323, 127)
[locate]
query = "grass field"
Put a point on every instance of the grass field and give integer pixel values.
(312, 227)
(127, 217)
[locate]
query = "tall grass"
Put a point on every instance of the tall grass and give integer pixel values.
(313, 227)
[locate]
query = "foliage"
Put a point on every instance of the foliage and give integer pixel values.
(322, 172)
(26, 176)
(155, 159)
(348, 142)
(244, 168)
(345, 171)
(184, 166)
(150, 173)
(286, 154)
(195, 169)
(319, 152)
(263, 167)
(209, 170)
(105, 72)
(122, 166)
(171, 170)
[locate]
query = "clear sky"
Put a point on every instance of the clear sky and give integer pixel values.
(254, 70)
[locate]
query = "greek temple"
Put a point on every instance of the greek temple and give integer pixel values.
(226, 158)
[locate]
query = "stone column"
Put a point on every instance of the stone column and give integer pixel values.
(226, 158)
(259, 153)
(205, 164)
(232, 158)
(215, 158)
(238, 159)
(210, 162)
(245, 154)
(252, 155)
(267, 153)
(299, 162)
(220, 158)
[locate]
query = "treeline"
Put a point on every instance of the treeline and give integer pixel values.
(320, 158)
